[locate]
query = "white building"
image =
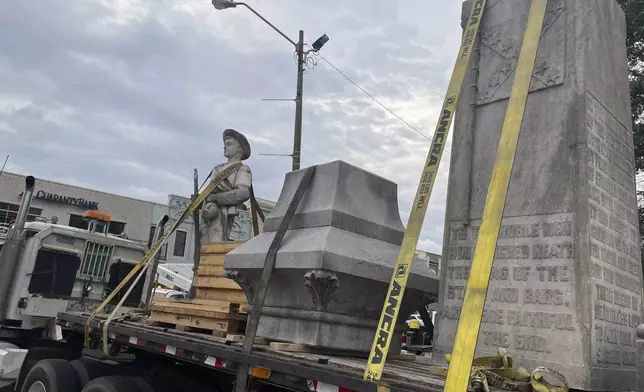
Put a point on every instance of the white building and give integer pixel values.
(136, 218)
(432, 260)
(243, 225)
(180, 246)
(69, 203)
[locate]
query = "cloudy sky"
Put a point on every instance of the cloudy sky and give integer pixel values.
(128, 96)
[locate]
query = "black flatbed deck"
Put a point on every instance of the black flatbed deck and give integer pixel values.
(205, 350)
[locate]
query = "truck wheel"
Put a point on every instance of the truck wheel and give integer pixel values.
(51, 375)
(87, 370)
(117, 384)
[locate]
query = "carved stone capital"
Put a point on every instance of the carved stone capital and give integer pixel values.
(322, 285)
(243, 282)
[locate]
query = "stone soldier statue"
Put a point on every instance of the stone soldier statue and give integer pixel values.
(223, 204)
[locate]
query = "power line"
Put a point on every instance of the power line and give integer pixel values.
(373, 98)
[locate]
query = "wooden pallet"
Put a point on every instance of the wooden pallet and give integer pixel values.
(217, 318)
(216, 310)
(210, 281)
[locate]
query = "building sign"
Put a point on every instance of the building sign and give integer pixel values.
(62, 199)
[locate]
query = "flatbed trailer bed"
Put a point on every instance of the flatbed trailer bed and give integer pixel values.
(287, 369)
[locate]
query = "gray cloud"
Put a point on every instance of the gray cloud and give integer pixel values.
(128, 96)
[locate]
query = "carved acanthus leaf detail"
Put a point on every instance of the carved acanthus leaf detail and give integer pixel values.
(243, 282)
(322, 285)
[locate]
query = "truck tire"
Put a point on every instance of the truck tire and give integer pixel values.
(51, 375)
(87, 370)
(118, 384)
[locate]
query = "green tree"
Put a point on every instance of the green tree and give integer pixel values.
(634, 10)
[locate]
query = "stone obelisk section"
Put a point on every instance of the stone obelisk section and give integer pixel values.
(566, 287)
(333, 268)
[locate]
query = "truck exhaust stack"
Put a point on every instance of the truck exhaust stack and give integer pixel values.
(10, 253)
(152, 277)
(23, 210)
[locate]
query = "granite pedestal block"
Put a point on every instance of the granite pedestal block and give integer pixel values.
(566, 285)
(334, 266)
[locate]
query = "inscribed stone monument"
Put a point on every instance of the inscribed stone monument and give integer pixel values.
(335, 263)
(566, 288)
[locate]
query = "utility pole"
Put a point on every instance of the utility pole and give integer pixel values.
(301, 59)
(197, 252)
(5, 164)
(297, 139)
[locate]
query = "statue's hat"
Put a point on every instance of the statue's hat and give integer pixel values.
(241, 139)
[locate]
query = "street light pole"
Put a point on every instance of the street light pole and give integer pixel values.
(297, 139)
(301, 55)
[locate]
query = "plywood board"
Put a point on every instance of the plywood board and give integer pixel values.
(206, 304)
(178, 307)
(191, 311)
(214, 260)
(220, 247)
(193, 321)
(210, 270)
(216, 282)
(235, 296)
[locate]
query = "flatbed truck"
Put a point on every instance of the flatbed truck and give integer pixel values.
(200, 359)
(42, 330)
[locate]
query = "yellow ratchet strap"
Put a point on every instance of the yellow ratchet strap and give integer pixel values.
(499, 371)
(391, 306)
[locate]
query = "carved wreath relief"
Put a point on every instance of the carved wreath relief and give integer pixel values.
(322, 285)
(501, 41)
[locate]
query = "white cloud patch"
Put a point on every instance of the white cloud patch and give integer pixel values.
(146, 193)
(130, 95)
(6, 128)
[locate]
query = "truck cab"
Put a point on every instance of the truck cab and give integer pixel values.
(47, 268)
(62, 268)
